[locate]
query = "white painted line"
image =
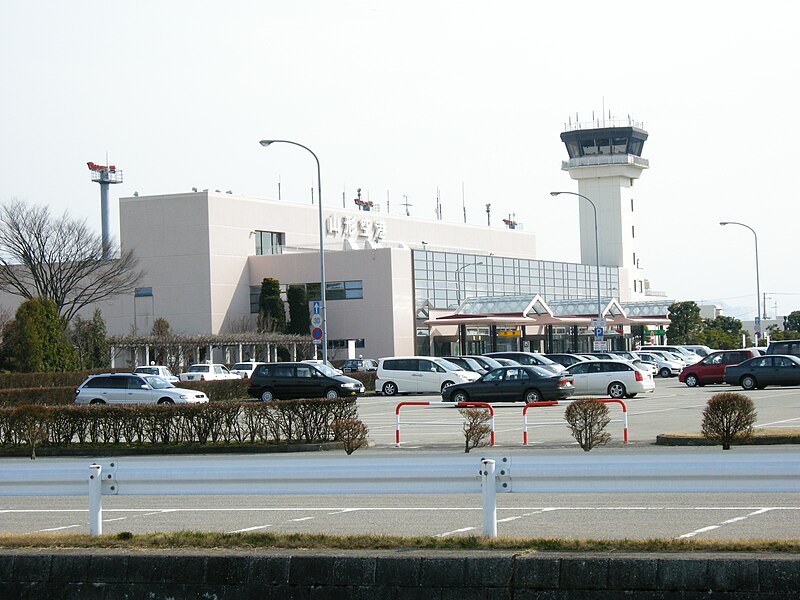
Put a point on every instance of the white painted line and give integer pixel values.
(112, 520)
(60, 528)
(246, 529)
(777, 422)
(455, 531)
(760, 511)
(301, 519)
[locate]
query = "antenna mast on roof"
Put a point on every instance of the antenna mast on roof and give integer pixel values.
(407, 205)
(489, 215)
(438, 206)
(463, 205)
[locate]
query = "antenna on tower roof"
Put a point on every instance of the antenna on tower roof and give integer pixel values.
(489, 215)
(407, 204)
(463, 205)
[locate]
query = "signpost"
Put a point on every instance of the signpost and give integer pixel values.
(315, 309)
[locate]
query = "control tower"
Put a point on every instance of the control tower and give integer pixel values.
(105, 175)
(605, 157)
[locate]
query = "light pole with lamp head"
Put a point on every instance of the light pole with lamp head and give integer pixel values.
(462, 329)
(596, 248)
(322, 283)
(757, 327)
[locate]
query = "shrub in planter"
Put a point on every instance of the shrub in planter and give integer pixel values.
(728, 417)
(351, 432)
(587, 418)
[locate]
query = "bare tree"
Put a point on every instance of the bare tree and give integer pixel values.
(59, 258)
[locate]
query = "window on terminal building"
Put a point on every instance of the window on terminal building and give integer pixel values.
(269, 242)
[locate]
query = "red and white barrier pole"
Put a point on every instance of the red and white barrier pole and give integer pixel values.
(397, 419)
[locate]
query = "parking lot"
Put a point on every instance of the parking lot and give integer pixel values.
(671, 407)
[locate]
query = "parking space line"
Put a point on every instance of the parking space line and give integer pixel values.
(246, 529)
(463, 530)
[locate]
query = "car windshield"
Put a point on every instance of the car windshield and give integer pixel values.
(158, 383)
(241, 366)
(448, 365)
(326, 370)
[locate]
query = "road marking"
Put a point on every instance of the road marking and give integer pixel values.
(301, 519)
(691, 534)
(777, 422)
(465, 529)
(60, 528)
(246, 529)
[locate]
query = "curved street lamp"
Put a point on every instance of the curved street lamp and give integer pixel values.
(757, 327)
(322, 284)
(596, 248)
(458, 278)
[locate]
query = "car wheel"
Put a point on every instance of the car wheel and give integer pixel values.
(748, 382)
(446, 385)
(331, 394)
(166, 401)
(532, 396)
(267, 396)
(390, 388)
(691, 380)
(617, 390)
(459, 397)
(97, 401)
(664, 372)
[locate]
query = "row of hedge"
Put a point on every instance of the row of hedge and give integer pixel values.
(303, 421)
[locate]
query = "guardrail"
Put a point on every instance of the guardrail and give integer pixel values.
(459, 405)
(708, 470)
(624, 419)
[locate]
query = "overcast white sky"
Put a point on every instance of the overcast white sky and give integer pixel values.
(408, 97)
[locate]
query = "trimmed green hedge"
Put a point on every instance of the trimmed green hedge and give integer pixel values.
(367, 378)
(304, 421)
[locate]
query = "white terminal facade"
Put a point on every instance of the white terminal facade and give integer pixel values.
(398, 285)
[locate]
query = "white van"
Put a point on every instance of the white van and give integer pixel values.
(418, 374)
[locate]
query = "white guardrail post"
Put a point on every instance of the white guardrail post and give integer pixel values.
(95, 500)
(489, 493)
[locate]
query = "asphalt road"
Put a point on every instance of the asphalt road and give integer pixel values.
(437, 427)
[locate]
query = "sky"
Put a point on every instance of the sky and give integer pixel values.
(407, 100)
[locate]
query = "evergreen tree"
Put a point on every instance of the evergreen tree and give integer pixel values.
(271, 311)
(793, 320)
(36, 339)
(299, 319)
(89, 340)
(723, 332)
(686, 326)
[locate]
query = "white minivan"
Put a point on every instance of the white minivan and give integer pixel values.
(418, 374)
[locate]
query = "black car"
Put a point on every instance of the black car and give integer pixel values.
(300, 380)
(759, 372)
(524, 382)
(487, 363)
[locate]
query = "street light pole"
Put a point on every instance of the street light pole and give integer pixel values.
(596, 248)
(322, 283)
(757, 327)
(458, 278)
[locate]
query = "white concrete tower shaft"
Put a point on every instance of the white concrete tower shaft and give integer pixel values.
(605, 159)
(105, 176)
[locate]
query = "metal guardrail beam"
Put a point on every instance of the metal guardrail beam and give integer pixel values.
(695, 471)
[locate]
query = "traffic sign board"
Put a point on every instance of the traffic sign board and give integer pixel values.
(316, 321)
(316, 333)
(598, 332)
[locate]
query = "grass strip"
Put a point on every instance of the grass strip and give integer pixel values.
(250, 541)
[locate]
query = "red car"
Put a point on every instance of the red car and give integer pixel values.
(712, 368)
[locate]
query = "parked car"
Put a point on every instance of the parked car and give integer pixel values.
(359, 365)
(245, 369)
(505, 362)
(784, 347)
(712, 368)
(687, 356)
(207, 372)
(512, 384)
(759, 372)
(157, 370)
(133, 388)
(644, 366)
(662, 363)
(418, 374)
(316, 361)
(624, 354)
(698, 349)
(300, 380)
(486, 362)
(617, 378)
(564, 359)
(529, 358)
(468, 364)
